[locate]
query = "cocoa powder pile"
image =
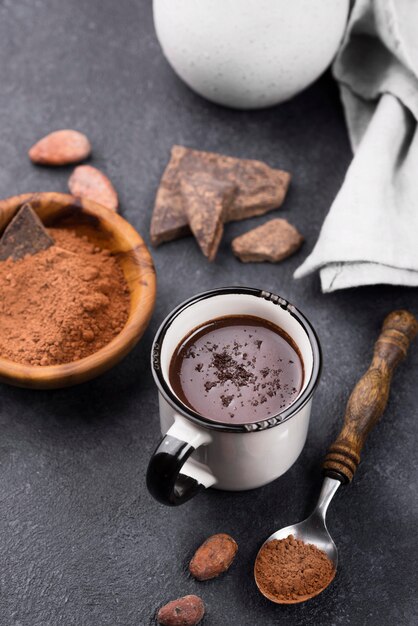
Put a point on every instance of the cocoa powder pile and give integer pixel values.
(289, 569)
(61, 304)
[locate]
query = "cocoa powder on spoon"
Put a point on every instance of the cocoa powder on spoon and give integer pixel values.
(290, 569)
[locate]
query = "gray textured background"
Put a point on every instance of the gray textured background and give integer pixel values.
(81, 541)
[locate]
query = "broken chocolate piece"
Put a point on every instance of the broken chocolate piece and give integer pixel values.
(273, 241)
(25, 234)
(169, 220)
(259, 189)
(205, 200)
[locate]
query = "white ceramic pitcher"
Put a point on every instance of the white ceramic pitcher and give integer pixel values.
(249, 53)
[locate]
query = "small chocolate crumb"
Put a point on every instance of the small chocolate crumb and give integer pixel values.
(226, 400)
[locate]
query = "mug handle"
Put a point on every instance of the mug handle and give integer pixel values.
(165, 480)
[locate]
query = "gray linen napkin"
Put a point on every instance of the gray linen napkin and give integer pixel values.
(370, 234)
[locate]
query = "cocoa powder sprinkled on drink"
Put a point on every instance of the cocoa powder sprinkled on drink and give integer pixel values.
(289, 569)
(61, 304)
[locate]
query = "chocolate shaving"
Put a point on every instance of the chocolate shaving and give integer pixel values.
(259, 189)
(205, 199)
(273, 241)
(226, 400)
(228, 369)
(25, 234)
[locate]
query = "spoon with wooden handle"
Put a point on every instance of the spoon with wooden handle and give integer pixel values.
(364, 408)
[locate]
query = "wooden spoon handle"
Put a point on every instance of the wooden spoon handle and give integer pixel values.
(369, 397)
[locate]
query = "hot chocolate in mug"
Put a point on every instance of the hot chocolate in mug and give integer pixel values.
(197, 452)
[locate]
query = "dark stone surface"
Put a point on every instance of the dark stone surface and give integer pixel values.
(81, 541)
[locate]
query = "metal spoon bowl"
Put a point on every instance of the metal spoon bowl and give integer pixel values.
(312, 530)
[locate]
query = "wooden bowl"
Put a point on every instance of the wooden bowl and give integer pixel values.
(108, 230)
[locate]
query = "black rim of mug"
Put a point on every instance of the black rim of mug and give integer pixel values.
(270, 422)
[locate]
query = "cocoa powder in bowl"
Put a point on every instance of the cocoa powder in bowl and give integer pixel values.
(290, 570)
(61, 304)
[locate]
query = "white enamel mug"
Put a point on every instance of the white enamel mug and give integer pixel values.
(196, 452)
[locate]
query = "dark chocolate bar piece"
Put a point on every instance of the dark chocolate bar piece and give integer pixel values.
(259, 189)
(273, 241)
(205, 200)
(25, 234)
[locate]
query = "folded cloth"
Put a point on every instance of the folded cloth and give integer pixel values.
(371, 232)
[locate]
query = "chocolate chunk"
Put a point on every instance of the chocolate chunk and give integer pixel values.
(273, 241)
(169, 220)
(260, 189)
(205, 199)
(25, 234)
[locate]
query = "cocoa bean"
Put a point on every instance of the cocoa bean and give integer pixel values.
(61, 147)
(186, 611)
(89, 182)
(213, 557)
